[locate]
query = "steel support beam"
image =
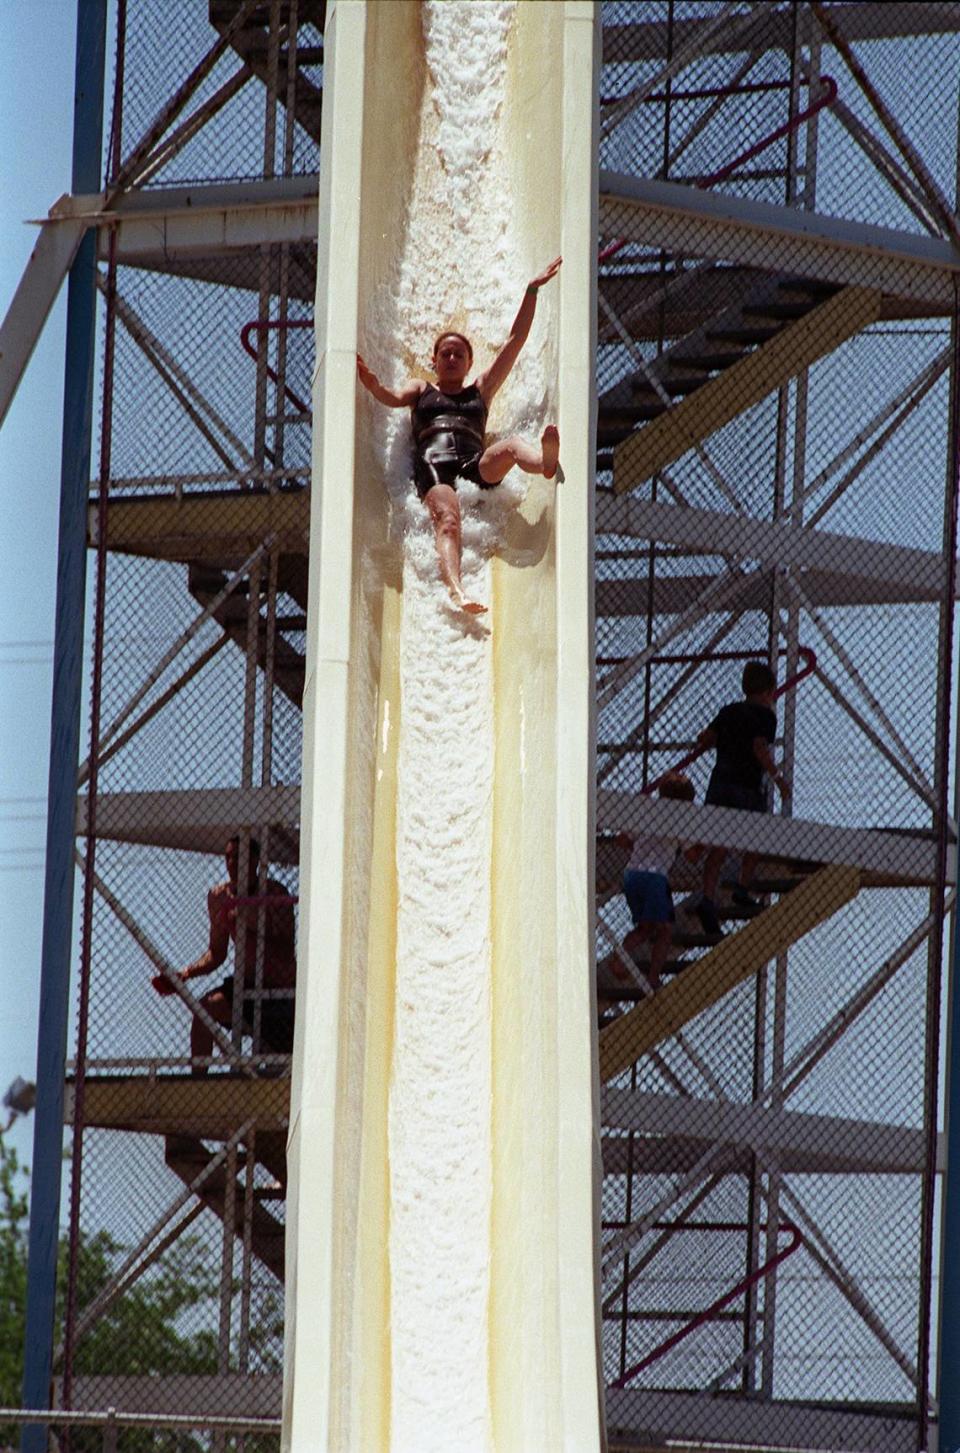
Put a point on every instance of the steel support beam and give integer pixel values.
(50, 261)
(65, 739)
(775, 1424)
(198, 822)
(900, 858)
(948, 1349)
(788, 1138)
(652, 40)
(686, 220)
(774, 544)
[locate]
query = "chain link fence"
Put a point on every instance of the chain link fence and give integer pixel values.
(188, 818)
(776, 484)
(227, 61)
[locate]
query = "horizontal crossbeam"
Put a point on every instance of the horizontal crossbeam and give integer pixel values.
(883, 857)
(789, 1139)
(215, 527)
(687, 220)
(211, 1107)
(774, 544)
(198, 821)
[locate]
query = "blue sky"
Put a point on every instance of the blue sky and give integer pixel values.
(34, 171)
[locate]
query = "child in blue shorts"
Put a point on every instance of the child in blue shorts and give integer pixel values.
(646, 885)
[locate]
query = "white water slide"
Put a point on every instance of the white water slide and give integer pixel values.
(443, 1150)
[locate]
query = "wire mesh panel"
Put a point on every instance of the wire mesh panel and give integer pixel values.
(774, 597)
(188, 813)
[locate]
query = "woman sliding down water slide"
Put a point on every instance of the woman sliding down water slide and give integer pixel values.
(449, 422)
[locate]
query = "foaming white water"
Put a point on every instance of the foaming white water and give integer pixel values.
(457, 267)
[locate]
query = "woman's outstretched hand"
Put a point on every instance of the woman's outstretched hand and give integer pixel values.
(549, 271)
(365, 375)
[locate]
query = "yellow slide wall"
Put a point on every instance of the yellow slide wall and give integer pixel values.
(542, 1373)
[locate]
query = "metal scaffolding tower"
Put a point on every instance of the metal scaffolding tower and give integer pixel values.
(778, 377)
(777, 479)
(205, 231)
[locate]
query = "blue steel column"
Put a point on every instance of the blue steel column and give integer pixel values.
(948, 1346)
(65, 733)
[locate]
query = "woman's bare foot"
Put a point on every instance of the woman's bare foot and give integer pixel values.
(470, 607)
(550, 444)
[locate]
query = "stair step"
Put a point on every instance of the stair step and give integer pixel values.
(801, 867)
(683, 939)
(811, 286)
(675, 387)
(763, 886)
(709, 362)
(743, 335)
(736, 914)
(786, 312)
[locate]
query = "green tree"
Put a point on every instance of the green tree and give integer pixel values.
(161, 1325)
(13, 1275)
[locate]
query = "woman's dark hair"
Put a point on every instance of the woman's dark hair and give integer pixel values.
(450, 334)
(757, 678)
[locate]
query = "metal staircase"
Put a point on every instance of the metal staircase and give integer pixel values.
(811, 900)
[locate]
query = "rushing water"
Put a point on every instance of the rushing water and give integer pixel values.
(457, 267)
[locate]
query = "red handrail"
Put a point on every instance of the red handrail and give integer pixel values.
(796, 1241)
(827, 98)
(704, 92)
(277, 900)
(266, 325)
(810, 665)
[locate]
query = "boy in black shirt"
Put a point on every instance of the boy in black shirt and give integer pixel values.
(742, 734)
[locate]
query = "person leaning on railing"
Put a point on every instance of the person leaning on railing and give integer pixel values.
(279, 958)
(741, 733)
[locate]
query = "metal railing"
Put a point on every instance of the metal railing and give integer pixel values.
(267, 325)
(111, 1421)
(807, 654)
(710, 1313)
(828, 97)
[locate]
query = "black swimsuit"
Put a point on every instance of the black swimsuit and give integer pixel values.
(448, 434)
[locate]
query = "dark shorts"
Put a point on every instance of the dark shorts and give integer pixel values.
(444, 459)
(721, 792)
(648, 895)
(276, 1019)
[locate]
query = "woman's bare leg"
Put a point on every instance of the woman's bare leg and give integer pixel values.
(444, 509)
(500, 458)
(662, 939)
(218, 1006)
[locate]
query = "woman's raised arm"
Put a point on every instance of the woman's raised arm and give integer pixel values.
(404, 399)
(491, 379)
